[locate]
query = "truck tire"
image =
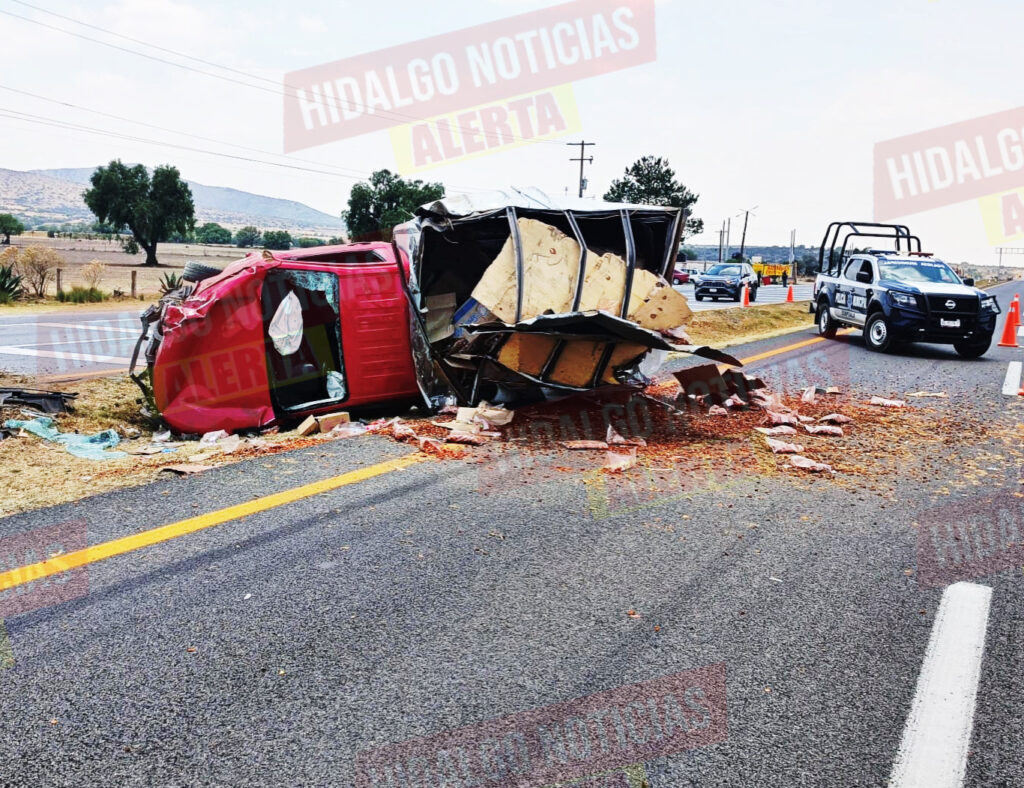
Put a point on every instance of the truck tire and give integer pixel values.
(972, 349)
(699, 297)
(197, 272)
(753, 293)
(826, 325)
(877, 334)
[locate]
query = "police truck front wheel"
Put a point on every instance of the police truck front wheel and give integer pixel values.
(972, 349)
(826, 325)
(877, 334)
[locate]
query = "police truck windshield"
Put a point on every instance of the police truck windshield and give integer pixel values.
(915, 271)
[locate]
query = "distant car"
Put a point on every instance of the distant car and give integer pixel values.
(680, 276)
(727, 280)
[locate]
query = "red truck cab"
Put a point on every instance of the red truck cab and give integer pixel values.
(278, 336)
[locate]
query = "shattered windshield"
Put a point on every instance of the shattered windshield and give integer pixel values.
(724, 270)
(914, 271)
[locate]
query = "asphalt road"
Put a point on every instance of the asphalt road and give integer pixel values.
(275, 648)
(69, 342)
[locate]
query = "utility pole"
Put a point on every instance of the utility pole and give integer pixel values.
(582, 159)
(746, 217)
(728, 239)
(721, 243)
(792, 254)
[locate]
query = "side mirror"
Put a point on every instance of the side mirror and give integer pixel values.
(864, 277)
(969, 281)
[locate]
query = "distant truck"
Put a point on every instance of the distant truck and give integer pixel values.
(769, 270)
(901, 295)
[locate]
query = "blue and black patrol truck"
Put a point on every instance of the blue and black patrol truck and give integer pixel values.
(900, 295)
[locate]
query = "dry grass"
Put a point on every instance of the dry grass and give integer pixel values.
(725, 327)
(77, 254)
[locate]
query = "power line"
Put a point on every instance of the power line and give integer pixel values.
(175, 131)
(332, 101)
(68, 126)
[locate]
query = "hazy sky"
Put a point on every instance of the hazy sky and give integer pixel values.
(776, 104)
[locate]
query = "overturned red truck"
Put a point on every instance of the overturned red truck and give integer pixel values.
(503, 296)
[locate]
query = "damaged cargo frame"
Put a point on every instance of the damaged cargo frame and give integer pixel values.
(453, 245)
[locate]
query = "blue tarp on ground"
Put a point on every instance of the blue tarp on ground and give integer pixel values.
(88, 447)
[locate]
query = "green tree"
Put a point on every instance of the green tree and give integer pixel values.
(10, 226)
(277, 239)
(248, 236)
(650, 181)
(150, 207)
(213, 233)
(375, 208)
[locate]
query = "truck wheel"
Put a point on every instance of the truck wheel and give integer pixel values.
(972, 349)
(877, 335)
(753, 293)
(197, 272)
(826, 325)
(699, 297)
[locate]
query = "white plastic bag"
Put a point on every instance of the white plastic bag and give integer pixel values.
(335, 385)
(286, 326)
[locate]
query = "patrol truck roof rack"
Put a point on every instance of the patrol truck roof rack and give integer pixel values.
(898, 232)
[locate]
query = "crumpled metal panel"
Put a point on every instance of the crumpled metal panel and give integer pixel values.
(210, 370)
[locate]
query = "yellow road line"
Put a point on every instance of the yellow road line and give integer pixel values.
(127, 544)
(788, 348)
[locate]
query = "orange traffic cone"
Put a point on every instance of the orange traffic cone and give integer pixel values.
(1014, 311)
(1010, 327)
(789, 295)
(746, 295)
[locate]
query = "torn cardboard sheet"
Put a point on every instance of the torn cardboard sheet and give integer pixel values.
(781, 447)
(551, 264)
(806, 464)
(823, 429)
(782, 429)
(619, 460)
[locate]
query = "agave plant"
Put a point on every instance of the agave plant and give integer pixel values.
(10, 285)
(168, 282)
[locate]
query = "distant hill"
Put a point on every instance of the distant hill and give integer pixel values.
(55, 196)
(769, 254)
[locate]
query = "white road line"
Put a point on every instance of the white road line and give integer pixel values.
(75, 342)
(933, 752)
(77, 326)
(7, 350)
(82, 327)
(1011, 385)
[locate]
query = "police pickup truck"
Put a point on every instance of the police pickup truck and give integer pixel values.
(898, 296)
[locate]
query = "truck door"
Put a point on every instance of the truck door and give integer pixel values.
(860, 294)
(851, 302)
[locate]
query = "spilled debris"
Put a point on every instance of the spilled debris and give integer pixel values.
(45, 402)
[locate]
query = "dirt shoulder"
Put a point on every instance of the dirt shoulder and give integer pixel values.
(726, 327)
